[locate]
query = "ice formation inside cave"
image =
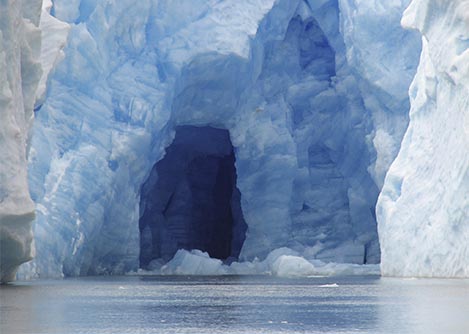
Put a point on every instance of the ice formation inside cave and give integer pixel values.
(190, 200)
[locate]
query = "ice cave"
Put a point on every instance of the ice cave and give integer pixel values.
(271, 136)
(190, 200)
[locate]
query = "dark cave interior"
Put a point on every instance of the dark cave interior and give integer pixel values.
(190, 200)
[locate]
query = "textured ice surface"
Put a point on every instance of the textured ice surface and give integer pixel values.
(314, 104)
(20, 71)
(53, 39)
(423, 211)
(383, 57)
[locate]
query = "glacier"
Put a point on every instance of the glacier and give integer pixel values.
(281, 119)
(313, 105)
(28, 53)
(423, 209)
(20, 72)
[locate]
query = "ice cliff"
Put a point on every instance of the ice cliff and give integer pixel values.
(28, 52)
(20, 72)
(250, 130)
(423, 210)
(312, 106)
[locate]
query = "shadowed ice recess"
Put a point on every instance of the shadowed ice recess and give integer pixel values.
(231, 137)
(190, 201)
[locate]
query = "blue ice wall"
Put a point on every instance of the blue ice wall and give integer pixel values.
(308, 120)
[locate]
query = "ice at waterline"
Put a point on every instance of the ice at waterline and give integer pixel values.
(191, 215)
(307, 91)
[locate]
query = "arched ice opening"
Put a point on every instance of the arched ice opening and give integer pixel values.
(190, 200)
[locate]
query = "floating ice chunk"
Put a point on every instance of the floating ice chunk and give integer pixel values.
(194, 262)
(292, 266)
(333, 285)
(281, 262)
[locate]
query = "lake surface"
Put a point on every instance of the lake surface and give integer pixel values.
(235, 304)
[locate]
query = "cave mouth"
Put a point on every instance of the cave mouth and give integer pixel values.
(190, 200)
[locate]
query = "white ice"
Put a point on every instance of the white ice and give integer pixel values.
(20, 71)
(281, 262)
(423, 209)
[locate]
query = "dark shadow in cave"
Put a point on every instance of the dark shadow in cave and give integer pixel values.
(190, 201)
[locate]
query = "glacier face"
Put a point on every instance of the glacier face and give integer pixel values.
(20, 72)
(314, 105)
(423, 210)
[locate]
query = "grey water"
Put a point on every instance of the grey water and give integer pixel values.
(235, 304)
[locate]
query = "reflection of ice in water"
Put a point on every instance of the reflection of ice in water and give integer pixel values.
(235, 304)
(425, 305)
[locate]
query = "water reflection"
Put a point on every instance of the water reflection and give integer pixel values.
(235, 305)
(25, 308)
(424, 305)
